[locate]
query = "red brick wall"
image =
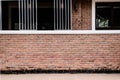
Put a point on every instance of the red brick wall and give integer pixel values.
(82, 18)
(18, 52)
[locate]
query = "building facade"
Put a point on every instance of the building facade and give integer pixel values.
(59, 35)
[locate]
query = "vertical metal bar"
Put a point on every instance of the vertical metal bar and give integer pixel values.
(22, 15)
(65, 16)
(36, 15)
(54, 14)
(25, 14)
(62, 8)
(71, 14)
(68, 13)
(19, 3)
(60, 13)
(30, 15)
(57, 10)
(33, 14)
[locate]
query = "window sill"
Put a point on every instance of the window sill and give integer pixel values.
(63, 32)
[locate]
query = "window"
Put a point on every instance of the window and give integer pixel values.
(10, 15)
(35, 14)
(107, 16)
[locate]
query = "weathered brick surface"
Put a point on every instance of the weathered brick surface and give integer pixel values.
(18, 52)
(82, 18)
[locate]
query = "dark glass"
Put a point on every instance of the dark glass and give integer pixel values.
(108, 16)
(10, 15)
(45, 14)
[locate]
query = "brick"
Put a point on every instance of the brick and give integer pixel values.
(59, 52)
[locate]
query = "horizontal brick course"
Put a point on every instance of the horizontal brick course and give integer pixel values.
(60, 52)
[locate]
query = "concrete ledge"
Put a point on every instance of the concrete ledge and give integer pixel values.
(62, 32)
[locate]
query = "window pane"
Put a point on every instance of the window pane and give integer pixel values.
(10, 15)
(108, 16)
(45, 14)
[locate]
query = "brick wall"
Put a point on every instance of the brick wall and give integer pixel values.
(81, 19)
(60, 52)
